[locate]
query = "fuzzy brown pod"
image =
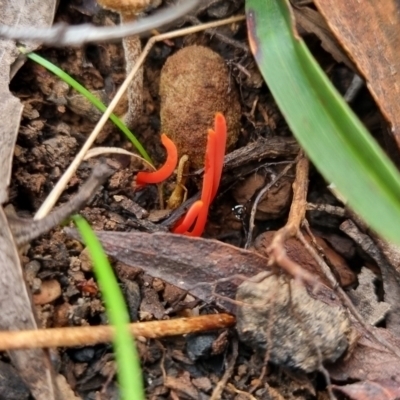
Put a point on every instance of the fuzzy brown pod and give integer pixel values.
(299, 332)
(194, 85)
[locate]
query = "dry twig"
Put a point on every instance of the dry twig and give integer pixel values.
(297, 212)
(62, 35)
(91, 335)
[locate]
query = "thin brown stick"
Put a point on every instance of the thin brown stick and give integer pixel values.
(276, 250)
(297, 211)
(328, 208)
(91, 335)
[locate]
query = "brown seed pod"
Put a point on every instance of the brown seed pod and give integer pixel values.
(194, 85)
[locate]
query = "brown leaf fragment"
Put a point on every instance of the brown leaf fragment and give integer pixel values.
(365, 299)
(390, 276)
(339, 265)
(275, 201)
(368, 390)
(369, 32)
(369, 360)
(150, 305)
(17, 314)
(192, 264)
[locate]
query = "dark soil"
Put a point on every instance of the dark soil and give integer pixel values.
(52, 130)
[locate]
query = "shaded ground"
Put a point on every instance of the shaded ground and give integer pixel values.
(54, 127)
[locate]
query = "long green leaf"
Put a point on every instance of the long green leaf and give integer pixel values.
(330, 133)
(129, 371)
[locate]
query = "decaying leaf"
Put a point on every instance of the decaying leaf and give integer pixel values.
(390, 275)
(382, 390)
(296, 251)
(369, 360)
(369, 31)
(204, 267)
(365, 299)
(186, 262)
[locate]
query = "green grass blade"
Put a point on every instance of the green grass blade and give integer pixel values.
(129, 371)
(93, 99)
(330, 133)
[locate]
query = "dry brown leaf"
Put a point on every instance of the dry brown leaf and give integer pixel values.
(390, 275)
(370, 33)
(32, 365)
(184, 261)
(369, 360)
(383, 390)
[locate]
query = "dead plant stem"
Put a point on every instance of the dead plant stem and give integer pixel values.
(276, 251)
(91, 335)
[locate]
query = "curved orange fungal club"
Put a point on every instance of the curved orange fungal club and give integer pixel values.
(208, 184)
(144, 178)
(214, 161)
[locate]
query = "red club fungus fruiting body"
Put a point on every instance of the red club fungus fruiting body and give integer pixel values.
(214, 161)
(164, 172)
(194, 85)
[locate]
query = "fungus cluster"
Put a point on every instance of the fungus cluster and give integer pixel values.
(195, 220)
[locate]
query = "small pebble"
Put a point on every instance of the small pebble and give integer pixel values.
(49, 291)
(200, 346)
